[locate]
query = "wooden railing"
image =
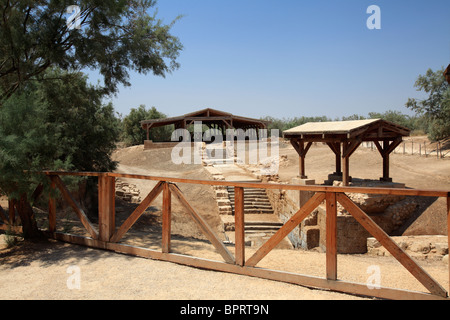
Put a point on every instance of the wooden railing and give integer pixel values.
(108, 236)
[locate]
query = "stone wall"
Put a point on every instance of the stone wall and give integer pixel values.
(127, 192)
(419, 247)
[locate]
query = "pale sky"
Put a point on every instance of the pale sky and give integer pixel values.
(293, 58)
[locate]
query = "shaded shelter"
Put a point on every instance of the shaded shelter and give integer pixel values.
(214, 119)
(343, 138)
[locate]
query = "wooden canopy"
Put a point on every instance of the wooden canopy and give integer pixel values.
(210, 117)
(344, 137)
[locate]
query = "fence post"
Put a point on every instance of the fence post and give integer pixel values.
(331, 236)
(239, 223)
(106, 206)
(167, 218)
(52, 208)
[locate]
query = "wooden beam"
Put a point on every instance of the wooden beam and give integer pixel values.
(274, 275)
(420, 274)
(137, 212)
(336, 148)
(380, 149)
(350, 147)
(106, 207)
(78, 211)
(301, 214)
(208, 232)
(331, 236)
(394, 144)
(299, 146)
(166, 218)
(346, 171)
(239, 225)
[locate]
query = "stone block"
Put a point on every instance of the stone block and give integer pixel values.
(309, 237)
(441, 248)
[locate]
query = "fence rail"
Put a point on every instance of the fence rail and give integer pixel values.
(108, 237)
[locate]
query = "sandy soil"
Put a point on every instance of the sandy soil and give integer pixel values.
(39, 270)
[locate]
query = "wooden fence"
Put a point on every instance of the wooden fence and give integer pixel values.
(108, 236)
(420, 148)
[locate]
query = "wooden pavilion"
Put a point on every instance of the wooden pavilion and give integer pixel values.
(344, 137)
(210, 117)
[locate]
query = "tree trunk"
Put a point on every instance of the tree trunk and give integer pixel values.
(26, 214)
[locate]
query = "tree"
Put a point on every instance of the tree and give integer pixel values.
(133, 134)
(395, 117)
(436, 107)
(58, 125)
(113, 37)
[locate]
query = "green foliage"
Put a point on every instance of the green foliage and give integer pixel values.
(60, 125)
(285, 124)
(115, 36)
(436, 107)
(132, 132)
(415, 123)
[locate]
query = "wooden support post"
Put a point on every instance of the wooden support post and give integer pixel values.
(385, 155)
(52, 209)
(106, 207)
(346, 172)
(166, 218)
(331, 236)
(336, 148)
(299, 146)
(386, 168)
(338, 159)
(239, 222)
(347, 150)
(302, 170)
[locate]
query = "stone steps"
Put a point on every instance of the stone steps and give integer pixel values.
(255, 201)
(257, 233)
